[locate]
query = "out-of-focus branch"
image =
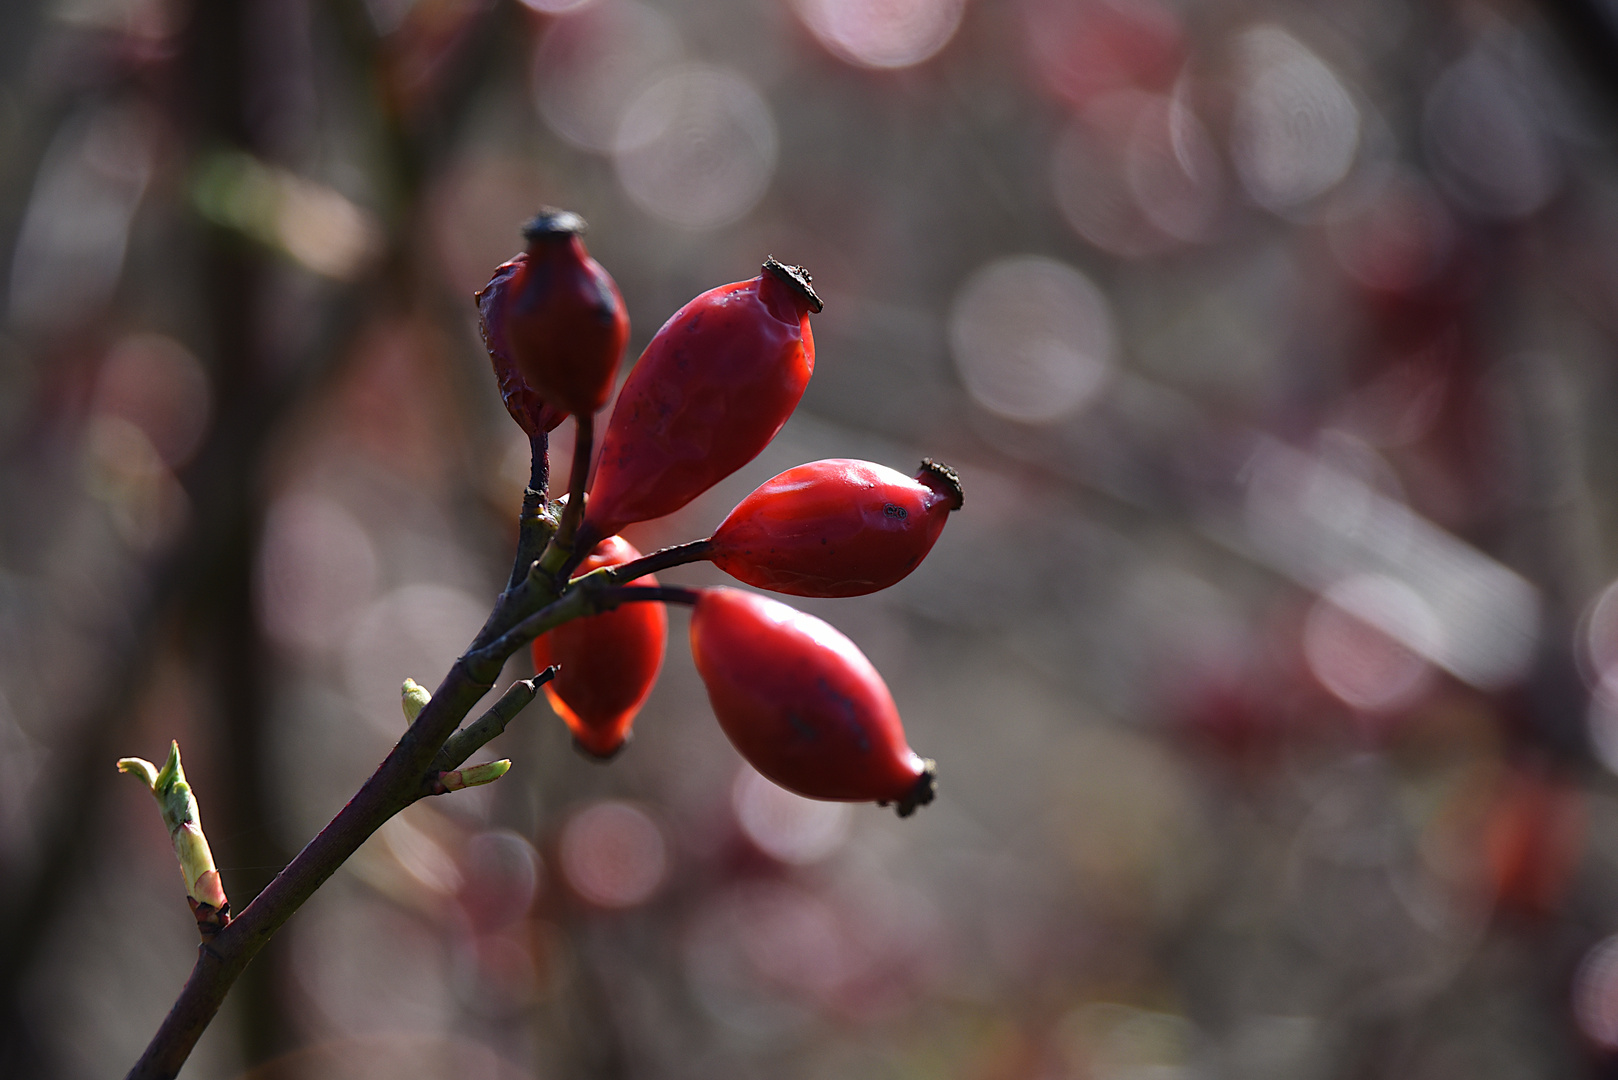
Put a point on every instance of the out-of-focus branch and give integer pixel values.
(413, 769)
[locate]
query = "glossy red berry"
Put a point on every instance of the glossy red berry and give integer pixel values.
(565, 324)
(836, 527)
(802, 704)
(711, 390)
(533, 413)
(608, 662)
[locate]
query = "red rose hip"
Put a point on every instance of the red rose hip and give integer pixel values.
(711, 390)
(608, 662)
(836, 527)
(802, 704)
(564, 321)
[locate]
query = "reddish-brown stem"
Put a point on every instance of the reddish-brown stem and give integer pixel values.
(532, 524)
(662, 559)
(669, 594)
(568, 548)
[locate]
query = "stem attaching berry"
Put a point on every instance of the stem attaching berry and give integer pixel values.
(608, 663)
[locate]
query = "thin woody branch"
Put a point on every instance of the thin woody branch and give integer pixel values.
(663, 559)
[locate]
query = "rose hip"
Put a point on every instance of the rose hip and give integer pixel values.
(564, 321)
(836, 527)
(802, 704)
(711, 390)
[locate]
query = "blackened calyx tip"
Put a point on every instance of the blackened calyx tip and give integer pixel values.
(553, 222)
(922, 793)
(798, 278)
(948, 476)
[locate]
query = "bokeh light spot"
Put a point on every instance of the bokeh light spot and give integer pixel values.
(1485, 143)
(156, 384)
(1136, 173)
(415, 631)
(317, 570)
(554, 7)
(786, 826)
(590, 65)
(697, 148)
(1597, 647)
(882, 33)
(1595, 994)
(614, 855)
(1032, 338)
(1295, 129)
(1350, 645)
(1082, 49)
(500, 877)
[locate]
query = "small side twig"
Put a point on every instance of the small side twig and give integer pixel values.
(474, 736)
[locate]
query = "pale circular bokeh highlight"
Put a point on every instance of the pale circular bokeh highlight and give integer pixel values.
(882, 33)
(1032, 338)
(1485, 142)
(1352, 642)
(1137, 173)
(156, 383)
(787, 826)
(1595, 994)
(591, 65)
(317, 570)
(696, 148)
(1295, 129)
(415, 631)
(1596, 647)
(614, 855)
(555, 7)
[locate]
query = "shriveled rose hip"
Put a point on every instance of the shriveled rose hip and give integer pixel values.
(533, 413)
(564, 321)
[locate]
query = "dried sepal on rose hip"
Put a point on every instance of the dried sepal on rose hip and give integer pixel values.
(836, 528)
(562, 318)
(802, 704)
(713, 387)
(533, 413)
(608, 663)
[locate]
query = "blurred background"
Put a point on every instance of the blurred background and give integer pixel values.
(1271, 667)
